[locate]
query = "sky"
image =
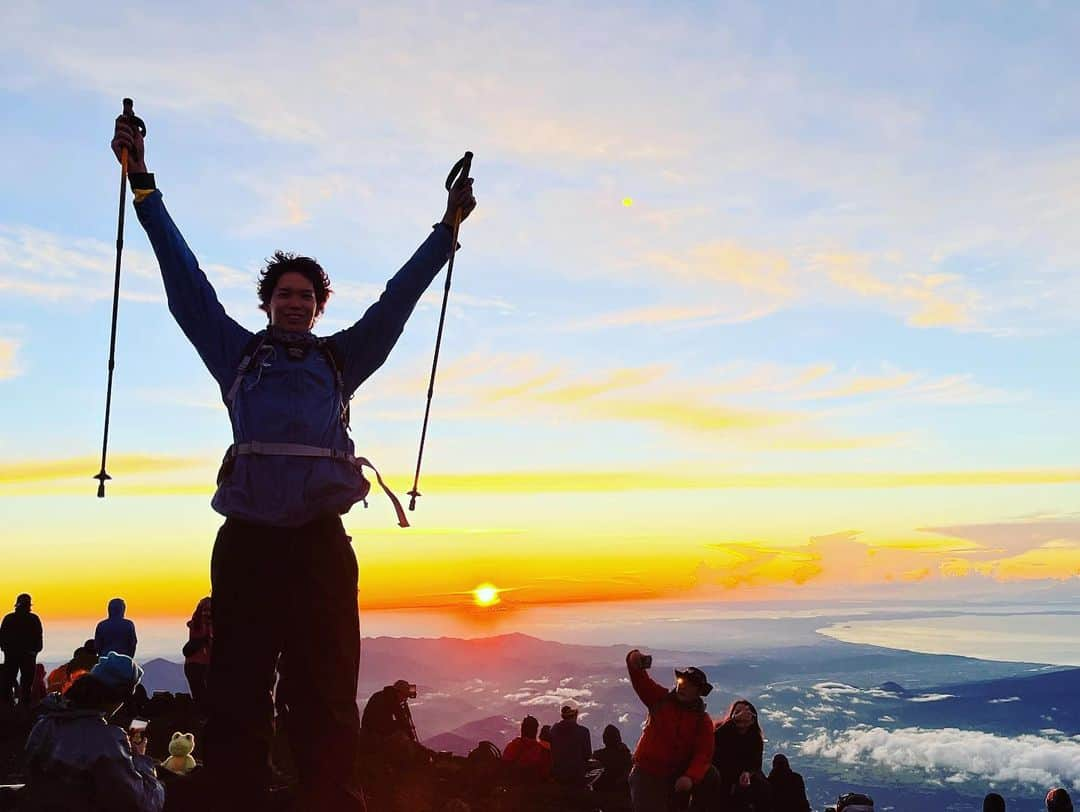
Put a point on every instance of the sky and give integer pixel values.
(759, 301)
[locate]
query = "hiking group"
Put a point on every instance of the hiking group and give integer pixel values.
(284, 483)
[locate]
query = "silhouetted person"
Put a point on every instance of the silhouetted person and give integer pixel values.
(116, 632)
(286, 479)
(63, 676)
(76, 760)
(198, 649)
(740, 747)
(530, 760)
(20, 639)
(673, 758)
(788, 787)
(616, 760)
(545, 736)
(993, 803)
(1058, 800)
(387, 712)
(571, 748)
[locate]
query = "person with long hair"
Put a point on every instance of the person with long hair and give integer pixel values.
(197, 650)
(737, 754)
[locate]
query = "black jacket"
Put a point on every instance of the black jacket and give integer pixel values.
(386, 713)
(20, 633)
(789, 791)
(736, 753)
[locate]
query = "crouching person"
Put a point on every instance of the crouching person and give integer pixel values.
(76, 760)
(673, 758)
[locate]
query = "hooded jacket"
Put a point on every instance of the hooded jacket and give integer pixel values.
(116, 633)
(20, 633)
(283, 399)
(678, 737)
(77, 762)
(788, 788)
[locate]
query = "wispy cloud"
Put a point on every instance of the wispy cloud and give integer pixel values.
(39, 471)
(9, 362)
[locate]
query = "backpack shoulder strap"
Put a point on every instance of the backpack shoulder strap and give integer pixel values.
(251, 349)
(333, 357)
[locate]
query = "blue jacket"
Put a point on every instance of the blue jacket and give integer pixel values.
(116, 633)
(76, 761)
(284, 400)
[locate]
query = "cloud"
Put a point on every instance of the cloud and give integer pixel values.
(1032, 760)
(40, 471)
(9, 364)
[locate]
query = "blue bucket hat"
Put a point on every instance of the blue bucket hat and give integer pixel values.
(117, 671)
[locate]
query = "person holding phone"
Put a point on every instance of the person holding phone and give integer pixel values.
(77, 759)
(673, 758)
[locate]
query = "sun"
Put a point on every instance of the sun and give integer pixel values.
(486, 595)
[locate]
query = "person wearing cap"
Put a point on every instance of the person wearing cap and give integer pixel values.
(20, 640)
(571, 748)
(387, 712)
(674, 755)
(1058, 800)
(76, 759)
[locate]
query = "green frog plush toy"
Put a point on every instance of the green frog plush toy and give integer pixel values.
(180, 747)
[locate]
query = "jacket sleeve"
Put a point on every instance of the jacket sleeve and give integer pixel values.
(134, 638)
(39, 636)
(99, 639)
(192, 301)
(365, 346)
(647, 689)
(128, 781)
(511, 751)
(5, 632)
(702, 757)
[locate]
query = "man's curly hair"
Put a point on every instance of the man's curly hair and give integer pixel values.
(283, 262)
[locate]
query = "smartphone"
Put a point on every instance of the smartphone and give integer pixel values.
(412, 692)
(646, 660)
(138, 725)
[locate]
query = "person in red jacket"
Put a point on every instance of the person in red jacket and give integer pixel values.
(531, 761)
(674, 755)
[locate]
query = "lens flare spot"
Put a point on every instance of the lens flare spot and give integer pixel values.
(628, 202)
(486, 595)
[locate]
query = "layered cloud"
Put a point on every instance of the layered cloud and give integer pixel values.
(956, 755)
(9, 362)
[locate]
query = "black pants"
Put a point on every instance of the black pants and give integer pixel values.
(284, 599)
(196, 680)
(19, 666)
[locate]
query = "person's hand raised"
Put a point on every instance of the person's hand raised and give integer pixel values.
(127, 134)
(460, 197)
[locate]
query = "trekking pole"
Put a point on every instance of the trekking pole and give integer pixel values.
(129, 113)
(460, 170)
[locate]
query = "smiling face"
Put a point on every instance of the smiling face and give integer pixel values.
(292, 303)
(744, 717)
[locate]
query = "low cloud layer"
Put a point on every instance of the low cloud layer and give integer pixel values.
(955, 755)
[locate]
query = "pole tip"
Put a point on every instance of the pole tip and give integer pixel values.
(412, 499)
(101, 490)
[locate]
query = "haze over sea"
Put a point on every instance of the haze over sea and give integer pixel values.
(1010, 633)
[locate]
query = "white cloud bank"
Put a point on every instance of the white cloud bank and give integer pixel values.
(959, 754)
